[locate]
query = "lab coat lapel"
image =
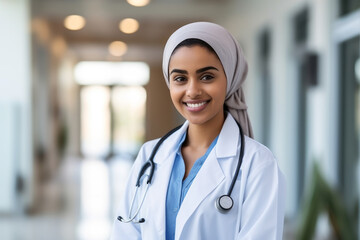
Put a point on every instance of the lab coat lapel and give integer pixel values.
(164, 160)
(207, 179)
(210, 175)
(157, 190)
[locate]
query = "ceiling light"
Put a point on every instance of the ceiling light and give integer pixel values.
(117, 48)
(138, 3)
(129, 25)
(74, 22)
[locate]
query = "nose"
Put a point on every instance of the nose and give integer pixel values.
(193, 89)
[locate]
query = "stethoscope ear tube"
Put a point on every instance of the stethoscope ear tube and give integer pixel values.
(131, 217)
(148, 164)
(121, 219)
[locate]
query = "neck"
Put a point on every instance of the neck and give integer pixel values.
(201, 136)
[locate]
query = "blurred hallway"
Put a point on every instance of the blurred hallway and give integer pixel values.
(80, 93)
(78, 204)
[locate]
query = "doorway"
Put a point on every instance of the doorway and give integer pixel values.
(112, 120)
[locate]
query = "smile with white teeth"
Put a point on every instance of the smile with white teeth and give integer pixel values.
(195, 105)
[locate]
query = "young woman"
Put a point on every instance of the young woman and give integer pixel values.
(209, 181)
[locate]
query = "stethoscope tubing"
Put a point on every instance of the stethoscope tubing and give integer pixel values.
(150, 163)
(131, 218)
(238, 166)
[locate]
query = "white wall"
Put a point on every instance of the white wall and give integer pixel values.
(8, 156)
(15, 101)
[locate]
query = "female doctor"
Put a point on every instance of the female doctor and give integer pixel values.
(204, 68)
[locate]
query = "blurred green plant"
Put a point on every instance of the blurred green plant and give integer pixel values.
(62, 138)
(322, 198)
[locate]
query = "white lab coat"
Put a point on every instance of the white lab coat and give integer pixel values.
(259, 193)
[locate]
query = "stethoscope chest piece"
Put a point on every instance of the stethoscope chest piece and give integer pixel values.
(224, 203)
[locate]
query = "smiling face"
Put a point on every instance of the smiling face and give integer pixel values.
(197, 85)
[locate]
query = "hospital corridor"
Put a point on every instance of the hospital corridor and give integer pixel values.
(82, 89)
(77, 204)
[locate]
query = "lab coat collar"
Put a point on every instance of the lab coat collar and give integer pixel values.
(228, 141)
(170, 145)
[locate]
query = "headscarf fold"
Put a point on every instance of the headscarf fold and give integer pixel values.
(232, 58)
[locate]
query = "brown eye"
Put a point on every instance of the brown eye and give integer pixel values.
(207, 77)
(179, 79)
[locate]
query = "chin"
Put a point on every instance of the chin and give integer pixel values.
(198, 120)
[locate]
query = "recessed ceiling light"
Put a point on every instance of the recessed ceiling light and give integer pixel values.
(138, 3)
(117, 48)
(129, 25)
(74, 22)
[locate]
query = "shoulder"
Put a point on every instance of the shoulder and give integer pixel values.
(261, 171)
(143, 155)
(147, 147)
(258, 157)
(150, 144)
(254, 147)
(168, 145)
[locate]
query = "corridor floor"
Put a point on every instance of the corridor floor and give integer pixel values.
(79, 204)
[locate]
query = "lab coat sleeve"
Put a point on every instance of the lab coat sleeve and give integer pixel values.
(263, 205)
(128, 231)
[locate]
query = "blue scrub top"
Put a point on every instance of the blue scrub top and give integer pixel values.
(178, 188)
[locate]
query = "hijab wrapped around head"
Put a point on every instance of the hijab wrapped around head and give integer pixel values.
(231, 56)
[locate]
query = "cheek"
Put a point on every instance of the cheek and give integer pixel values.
(175, 95)
(220, 91)
(224, 91)
(223, 88)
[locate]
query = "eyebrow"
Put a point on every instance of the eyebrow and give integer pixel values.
(178, 71)
(204, 69)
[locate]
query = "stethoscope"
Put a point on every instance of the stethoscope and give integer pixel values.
(223, 203)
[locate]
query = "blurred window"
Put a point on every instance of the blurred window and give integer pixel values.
(129, 119)
(113, 102)
(112, 73)
(348, 6)
(95, 120)
(301, 23)
(265, 85)
(349, 129)
(300, 49)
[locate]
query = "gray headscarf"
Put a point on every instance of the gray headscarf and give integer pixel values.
(231, 57)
